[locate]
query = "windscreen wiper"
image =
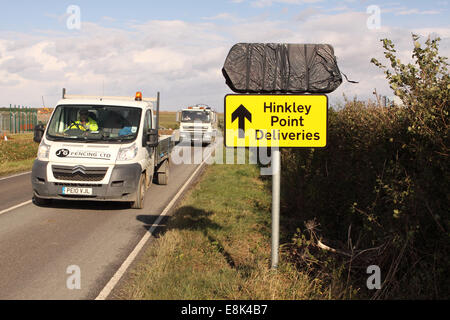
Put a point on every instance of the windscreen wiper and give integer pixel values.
(85, 139)
(121, 138)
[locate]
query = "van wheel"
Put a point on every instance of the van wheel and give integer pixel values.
(163, 173)
(41, 201)
(138, 203)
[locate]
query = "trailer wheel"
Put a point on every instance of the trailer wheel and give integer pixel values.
(138, 203)
(163, 173)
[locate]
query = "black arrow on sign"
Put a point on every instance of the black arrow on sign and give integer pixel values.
(241, 113)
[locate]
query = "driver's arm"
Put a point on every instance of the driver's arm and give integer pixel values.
(74, 125)
(69, 127)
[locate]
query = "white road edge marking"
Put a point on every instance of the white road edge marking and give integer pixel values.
(15, 207)
(123, 268)
(16, 175)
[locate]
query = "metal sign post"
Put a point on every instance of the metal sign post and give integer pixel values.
(276, 171)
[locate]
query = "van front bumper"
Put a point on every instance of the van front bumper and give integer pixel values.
(121, 187)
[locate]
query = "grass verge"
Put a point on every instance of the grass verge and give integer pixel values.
(217, 246)
(17, 154)
(12, 167)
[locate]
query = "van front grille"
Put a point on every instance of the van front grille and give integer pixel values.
(79, 173)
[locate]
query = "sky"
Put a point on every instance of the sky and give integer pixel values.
(179, 47)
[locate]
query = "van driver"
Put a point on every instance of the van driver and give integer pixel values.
(85, 123)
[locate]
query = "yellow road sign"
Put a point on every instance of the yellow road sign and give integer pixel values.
(276, 120)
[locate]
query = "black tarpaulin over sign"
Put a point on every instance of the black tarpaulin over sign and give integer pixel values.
(281, 68)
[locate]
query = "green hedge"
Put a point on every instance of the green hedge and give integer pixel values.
(381, 184)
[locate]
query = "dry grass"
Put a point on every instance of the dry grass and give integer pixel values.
(167, 119)
(17, 154)
(217, 246)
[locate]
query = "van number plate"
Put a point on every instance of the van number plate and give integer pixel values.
(77, 191)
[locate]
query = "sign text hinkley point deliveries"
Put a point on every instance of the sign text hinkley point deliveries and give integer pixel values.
(276, 120)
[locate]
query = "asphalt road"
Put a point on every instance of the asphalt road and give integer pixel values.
(15, 190)
(38, 244)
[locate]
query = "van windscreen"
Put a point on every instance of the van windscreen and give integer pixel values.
(94, 123)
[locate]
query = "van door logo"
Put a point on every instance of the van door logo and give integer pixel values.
(62, 153)
(79, 169)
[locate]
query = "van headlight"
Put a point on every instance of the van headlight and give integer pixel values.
(43, 151)
(127, 153)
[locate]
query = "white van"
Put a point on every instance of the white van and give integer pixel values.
(101, 148)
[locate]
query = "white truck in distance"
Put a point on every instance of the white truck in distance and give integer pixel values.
(197, 124)
(101, 148)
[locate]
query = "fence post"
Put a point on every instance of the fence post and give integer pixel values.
(15, 119)
(14, 116)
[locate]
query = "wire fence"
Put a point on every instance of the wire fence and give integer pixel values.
(18, 119)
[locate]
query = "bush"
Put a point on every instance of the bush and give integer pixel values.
(379, 193)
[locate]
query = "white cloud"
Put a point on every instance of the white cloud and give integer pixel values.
(220, 16)
(417, 11)
(48, 62)
(307, 13)
(182, 59)
(268, 3)
(160, 60)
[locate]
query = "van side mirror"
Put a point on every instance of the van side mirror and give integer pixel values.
(178, 116)
(38, 133)
(152, 138)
